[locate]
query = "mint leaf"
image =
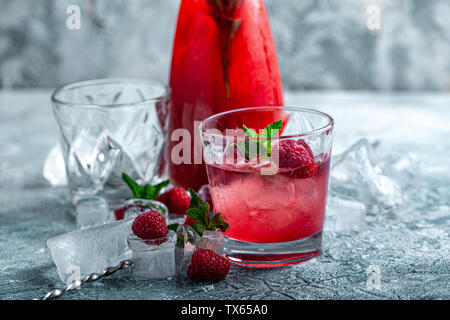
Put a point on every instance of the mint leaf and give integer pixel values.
(161, 185)
(199, 212)
(197, 202)
(272, 129)
(136, 189)
(250, 132)
(251, 148)
(218, 221)
(199, 228)
(147, 192)
(198, 216)
(151, 192)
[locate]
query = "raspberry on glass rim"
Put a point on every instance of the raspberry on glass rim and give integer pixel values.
(297, 157)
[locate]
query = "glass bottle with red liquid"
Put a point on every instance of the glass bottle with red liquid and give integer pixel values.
(223, 58)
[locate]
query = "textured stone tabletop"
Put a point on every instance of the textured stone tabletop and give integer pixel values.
(409, 247)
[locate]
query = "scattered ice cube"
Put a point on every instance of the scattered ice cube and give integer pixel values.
(91, 250)
(355, 175)
(135, 207)
(213, 240)
(153, 259)
(402, 166)
(54, 170)
(91, 211)
(344, 215)
(185, 248)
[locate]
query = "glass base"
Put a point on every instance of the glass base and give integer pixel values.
(269, 255)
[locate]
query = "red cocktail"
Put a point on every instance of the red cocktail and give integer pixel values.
(273, 197)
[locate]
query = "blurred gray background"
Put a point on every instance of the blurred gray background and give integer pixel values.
(322, 44)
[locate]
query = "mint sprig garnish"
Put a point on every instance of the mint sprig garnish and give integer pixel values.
(252, 148)
(147, 192)
(204, 220)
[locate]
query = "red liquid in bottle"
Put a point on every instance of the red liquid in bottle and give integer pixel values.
(224, 58)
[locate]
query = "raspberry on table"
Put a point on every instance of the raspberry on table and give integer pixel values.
(150, 225)
(119, 213)
(207, 266)
(177, 200)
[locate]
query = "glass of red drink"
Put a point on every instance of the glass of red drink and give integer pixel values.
(269, 185)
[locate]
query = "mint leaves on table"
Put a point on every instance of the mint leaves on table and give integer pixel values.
(147, 192)
(255, 147)
(200, 212)
(198, 209)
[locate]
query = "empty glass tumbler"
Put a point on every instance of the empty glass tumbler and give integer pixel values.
(110, 126)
